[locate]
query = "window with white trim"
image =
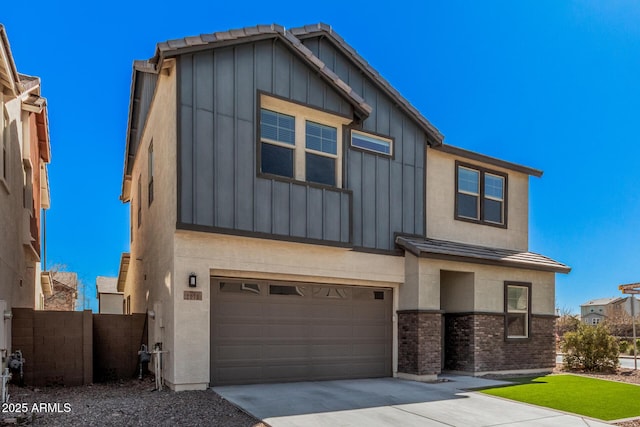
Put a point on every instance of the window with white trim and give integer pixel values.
(480, 195)
(300, 142)
(373, 143)
(518, 310)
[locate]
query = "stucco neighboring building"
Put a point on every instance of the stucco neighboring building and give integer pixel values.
(110, 301)
(598, 310)
(24, 189)
(64, 292)
(293, 217)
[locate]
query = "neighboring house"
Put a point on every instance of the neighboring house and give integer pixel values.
(110, 301)
(598, 310)
(64, 292)
(24, 190)
(293, 217)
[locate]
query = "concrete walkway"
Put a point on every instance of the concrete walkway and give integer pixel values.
(390, 402)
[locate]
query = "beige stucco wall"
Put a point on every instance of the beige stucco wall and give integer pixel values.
(110, 303)
(19, 273)
(207, 254)
(440, 196)
(149, 280)
(482, 290)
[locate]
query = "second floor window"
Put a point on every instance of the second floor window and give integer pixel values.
(300, 142)
(150, 157)
(4, 142)
(480, 195)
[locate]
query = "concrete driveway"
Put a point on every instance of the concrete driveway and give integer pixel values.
(390, 402)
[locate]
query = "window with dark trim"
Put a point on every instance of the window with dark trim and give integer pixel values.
(517, 302)
(139, 201)
(150, 158)
(4, 135)
(481, 195)
(369, 142)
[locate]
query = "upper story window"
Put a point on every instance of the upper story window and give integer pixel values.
(321, 153)
(480, 195)
(139, 201)
(150, 169)
(518, 309)
(4, 142)
(299, 142)
(373, 143)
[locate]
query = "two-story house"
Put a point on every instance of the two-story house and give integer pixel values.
(598, 310)
(24, 190)
(293, 217)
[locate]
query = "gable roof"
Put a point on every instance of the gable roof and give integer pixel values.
(324, 30)
(601, 301)
(9, 76)
(172, 48)
(454, 251)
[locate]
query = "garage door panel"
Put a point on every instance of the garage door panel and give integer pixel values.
(291, 310)
(369, 331)
(271, 335)
(319, 351)
(239, 330)
(336, 331)
(339, 310)
(236, 353)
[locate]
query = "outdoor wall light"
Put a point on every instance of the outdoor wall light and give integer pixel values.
(192, 280)
(8, 315)
(152, 314)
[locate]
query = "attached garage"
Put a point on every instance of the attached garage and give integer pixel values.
(276, 332)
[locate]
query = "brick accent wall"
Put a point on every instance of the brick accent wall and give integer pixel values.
(419, 342)
(476, 343)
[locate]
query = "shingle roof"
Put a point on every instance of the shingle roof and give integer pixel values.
(107, 285)
(600, 301)
(177, 46)
(442, 249)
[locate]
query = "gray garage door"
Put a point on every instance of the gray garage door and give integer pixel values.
(273, 332)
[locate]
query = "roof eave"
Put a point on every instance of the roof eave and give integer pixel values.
(408, 245)
(7, 58)
(472, 155)
(172, 48)
(435, 138)
(501, 263)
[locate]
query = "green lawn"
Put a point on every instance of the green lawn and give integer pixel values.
(604, 400)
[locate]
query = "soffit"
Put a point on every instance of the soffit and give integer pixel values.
(124, 269)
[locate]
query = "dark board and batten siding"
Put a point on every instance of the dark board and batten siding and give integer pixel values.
(388, 193)
(219, 189)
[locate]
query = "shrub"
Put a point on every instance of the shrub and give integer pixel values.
(624, 346)
(591, 348)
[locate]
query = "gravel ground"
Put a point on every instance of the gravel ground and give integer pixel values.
(135, 403)
(129, 403)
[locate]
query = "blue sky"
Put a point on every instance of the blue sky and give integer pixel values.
(554, 85)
